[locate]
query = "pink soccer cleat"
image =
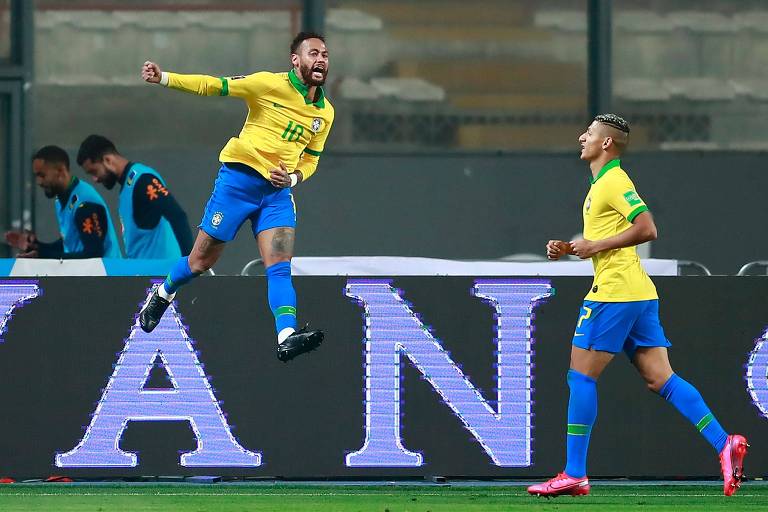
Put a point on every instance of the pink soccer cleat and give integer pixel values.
(732, 463)
(560, 485)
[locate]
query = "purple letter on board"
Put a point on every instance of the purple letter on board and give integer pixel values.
(393, 330)
(14, 294)
(757, 374)
(126, 399)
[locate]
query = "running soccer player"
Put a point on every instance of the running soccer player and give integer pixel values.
(288, 122)
(621, 313)
(84, 222)
(154, 224)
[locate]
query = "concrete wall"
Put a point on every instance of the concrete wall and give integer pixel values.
(709, 207)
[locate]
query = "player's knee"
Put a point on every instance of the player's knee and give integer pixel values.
(200, 265)
(654, 383)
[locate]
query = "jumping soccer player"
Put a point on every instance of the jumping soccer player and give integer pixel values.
(154, 224)
(84, 222)
(288, 122)
(621, 313)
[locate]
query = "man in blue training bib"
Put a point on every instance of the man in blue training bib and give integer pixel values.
(84, 222)
(621, 314)
(154, 224)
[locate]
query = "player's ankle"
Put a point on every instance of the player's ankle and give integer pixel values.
(284, 333)
(164, 294)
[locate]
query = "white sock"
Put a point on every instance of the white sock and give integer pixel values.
(164, 294)
(283, 335)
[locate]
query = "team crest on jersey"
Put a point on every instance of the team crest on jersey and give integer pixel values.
(589, 203)
(316, 122)
(217, 218)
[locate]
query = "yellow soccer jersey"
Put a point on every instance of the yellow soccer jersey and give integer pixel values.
(609, 209)
(282, 123)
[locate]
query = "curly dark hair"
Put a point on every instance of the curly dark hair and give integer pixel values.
(303, 36)
(613, 120)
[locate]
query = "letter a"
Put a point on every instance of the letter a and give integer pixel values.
(126, 399)
(14, 294)
(392, 329)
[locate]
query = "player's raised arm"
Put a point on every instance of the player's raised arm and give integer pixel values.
(241, 86)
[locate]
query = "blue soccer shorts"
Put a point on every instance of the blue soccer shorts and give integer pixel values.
(241, 193)
(619, 326)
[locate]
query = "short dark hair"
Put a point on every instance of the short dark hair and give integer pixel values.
(94, 147)
(52, 155)
(303, 36)
(613, 120)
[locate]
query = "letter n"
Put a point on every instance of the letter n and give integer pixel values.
(191, 399)
(393, 330)
(757, 374)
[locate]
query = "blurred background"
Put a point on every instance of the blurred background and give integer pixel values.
(456, 122)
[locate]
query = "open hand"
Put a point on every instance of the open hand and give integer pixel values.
(21, 240)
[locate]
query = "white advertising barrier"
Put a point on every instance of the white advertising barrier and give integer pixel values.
(402, 266)
(330, 266)
(29, 267)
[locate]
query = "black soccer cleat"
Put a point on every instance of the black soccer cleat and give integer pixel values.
(299, 342)
(152, 311)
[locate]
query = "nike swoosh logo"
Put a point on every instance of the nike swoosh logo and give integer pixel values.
(577, 334)
(277, 105)
(569, 484)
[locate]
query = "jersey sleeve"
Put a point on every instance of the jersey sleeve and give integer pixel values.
(623, 198)
(309, 159)
(253, 85)
(91, 219)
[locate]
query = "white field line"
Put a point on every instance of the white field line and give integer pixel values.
(404, 493)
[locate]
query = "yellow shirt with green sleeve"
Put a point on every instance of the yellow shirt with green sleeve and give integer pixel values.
(282, 123)
(609, 209)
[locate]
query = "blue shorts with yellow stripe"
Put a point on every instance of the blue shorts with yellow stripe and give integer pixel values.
(619, 326)
(240, 193)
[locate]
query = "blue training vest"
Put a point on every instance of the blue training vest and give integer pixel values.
(70, 231)
(157, 243)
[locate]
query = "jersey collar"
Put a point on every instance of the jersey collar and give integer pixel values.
(303, 90)
(607, 167)
(122, 178)
(64, 196)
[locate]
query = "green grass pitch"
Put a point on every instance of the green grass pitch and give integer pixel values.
(284, 497)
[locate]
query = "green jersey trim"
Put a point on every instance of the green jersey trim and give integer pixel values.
(224, 87)
(637, 211)
(304, 90)
(607, 167)
(312, 152)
